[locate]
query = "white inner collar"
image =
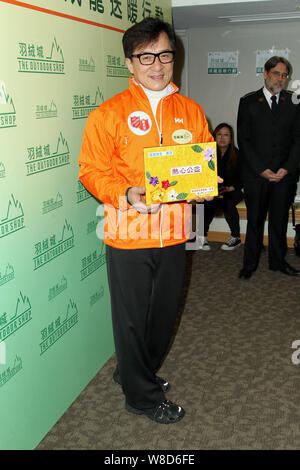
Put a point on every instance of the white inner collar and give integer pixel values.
(155, 96)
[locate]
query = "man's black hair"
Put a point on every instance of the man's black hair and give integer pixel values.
(273, 61)
(144, 33)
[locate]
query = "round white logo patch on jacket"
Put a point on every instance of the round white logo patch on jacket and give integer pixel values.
(182, 136)
(139, 123)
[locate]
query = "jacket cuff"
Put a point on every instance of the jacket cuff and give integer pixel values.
(126, 195)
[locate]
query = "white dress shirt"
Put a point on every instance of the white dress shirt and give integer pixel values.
(268, 96)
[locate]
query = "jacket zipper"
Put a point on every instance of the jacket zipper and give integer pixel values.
(159, 128)
(160, 143)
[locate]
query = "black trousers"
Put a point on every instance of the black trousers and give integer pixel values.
(262, 197)
(228, 205)
(145, 287)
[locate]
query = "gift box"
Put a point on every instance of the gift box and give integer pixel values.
(180, 172)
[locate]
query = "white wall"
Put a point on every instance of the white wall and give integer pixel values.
(181, 68)
(219, 94)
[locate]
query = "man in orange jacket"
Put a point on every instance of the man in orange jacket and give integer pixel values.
(145, 244)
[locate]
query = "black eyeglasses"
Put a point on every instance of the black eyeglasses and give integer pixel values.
(277, 74)
(148, 58)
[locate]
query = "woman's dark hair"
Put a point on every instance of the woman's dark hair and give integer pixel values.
(273, 61)
(231, 149)
(146, 32)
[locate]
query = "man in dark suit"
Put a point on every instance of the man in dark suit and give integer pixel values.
(269, 142)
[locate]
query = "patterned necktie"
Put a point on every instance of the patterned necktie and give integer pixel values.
(274, 103)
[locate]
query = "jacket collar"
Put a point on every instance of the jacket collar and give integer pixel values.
(137, 89)
(281, 101)
(262, 99)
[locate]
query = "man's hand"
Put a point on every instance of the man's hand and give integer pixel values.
(281, 173)
(135, 197)
(274, 177)
(269, 175)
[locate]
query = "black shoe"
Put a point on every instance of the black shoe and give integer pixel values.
(165, 412)
(245, 273)
(165, 386)
(287, 269)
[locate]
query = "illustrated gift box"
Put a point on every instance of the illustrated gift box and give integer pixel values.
(180, 172)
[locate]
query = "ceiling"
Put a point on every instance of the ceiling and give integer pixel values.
(206, 13)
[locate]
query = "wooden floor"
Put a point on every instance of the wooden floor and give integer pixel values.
(223, 236)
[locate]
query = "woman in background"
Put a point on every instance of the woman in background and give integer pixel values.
(230, 193)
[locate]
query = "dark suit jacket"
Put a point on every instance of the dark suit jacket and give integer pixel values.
(267, 139)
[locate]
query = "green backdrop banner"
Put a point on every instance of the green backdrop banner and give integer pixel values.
(58, 63)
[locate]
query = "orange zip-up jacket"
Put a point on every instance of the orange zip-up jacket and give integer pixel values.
(112, 160)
